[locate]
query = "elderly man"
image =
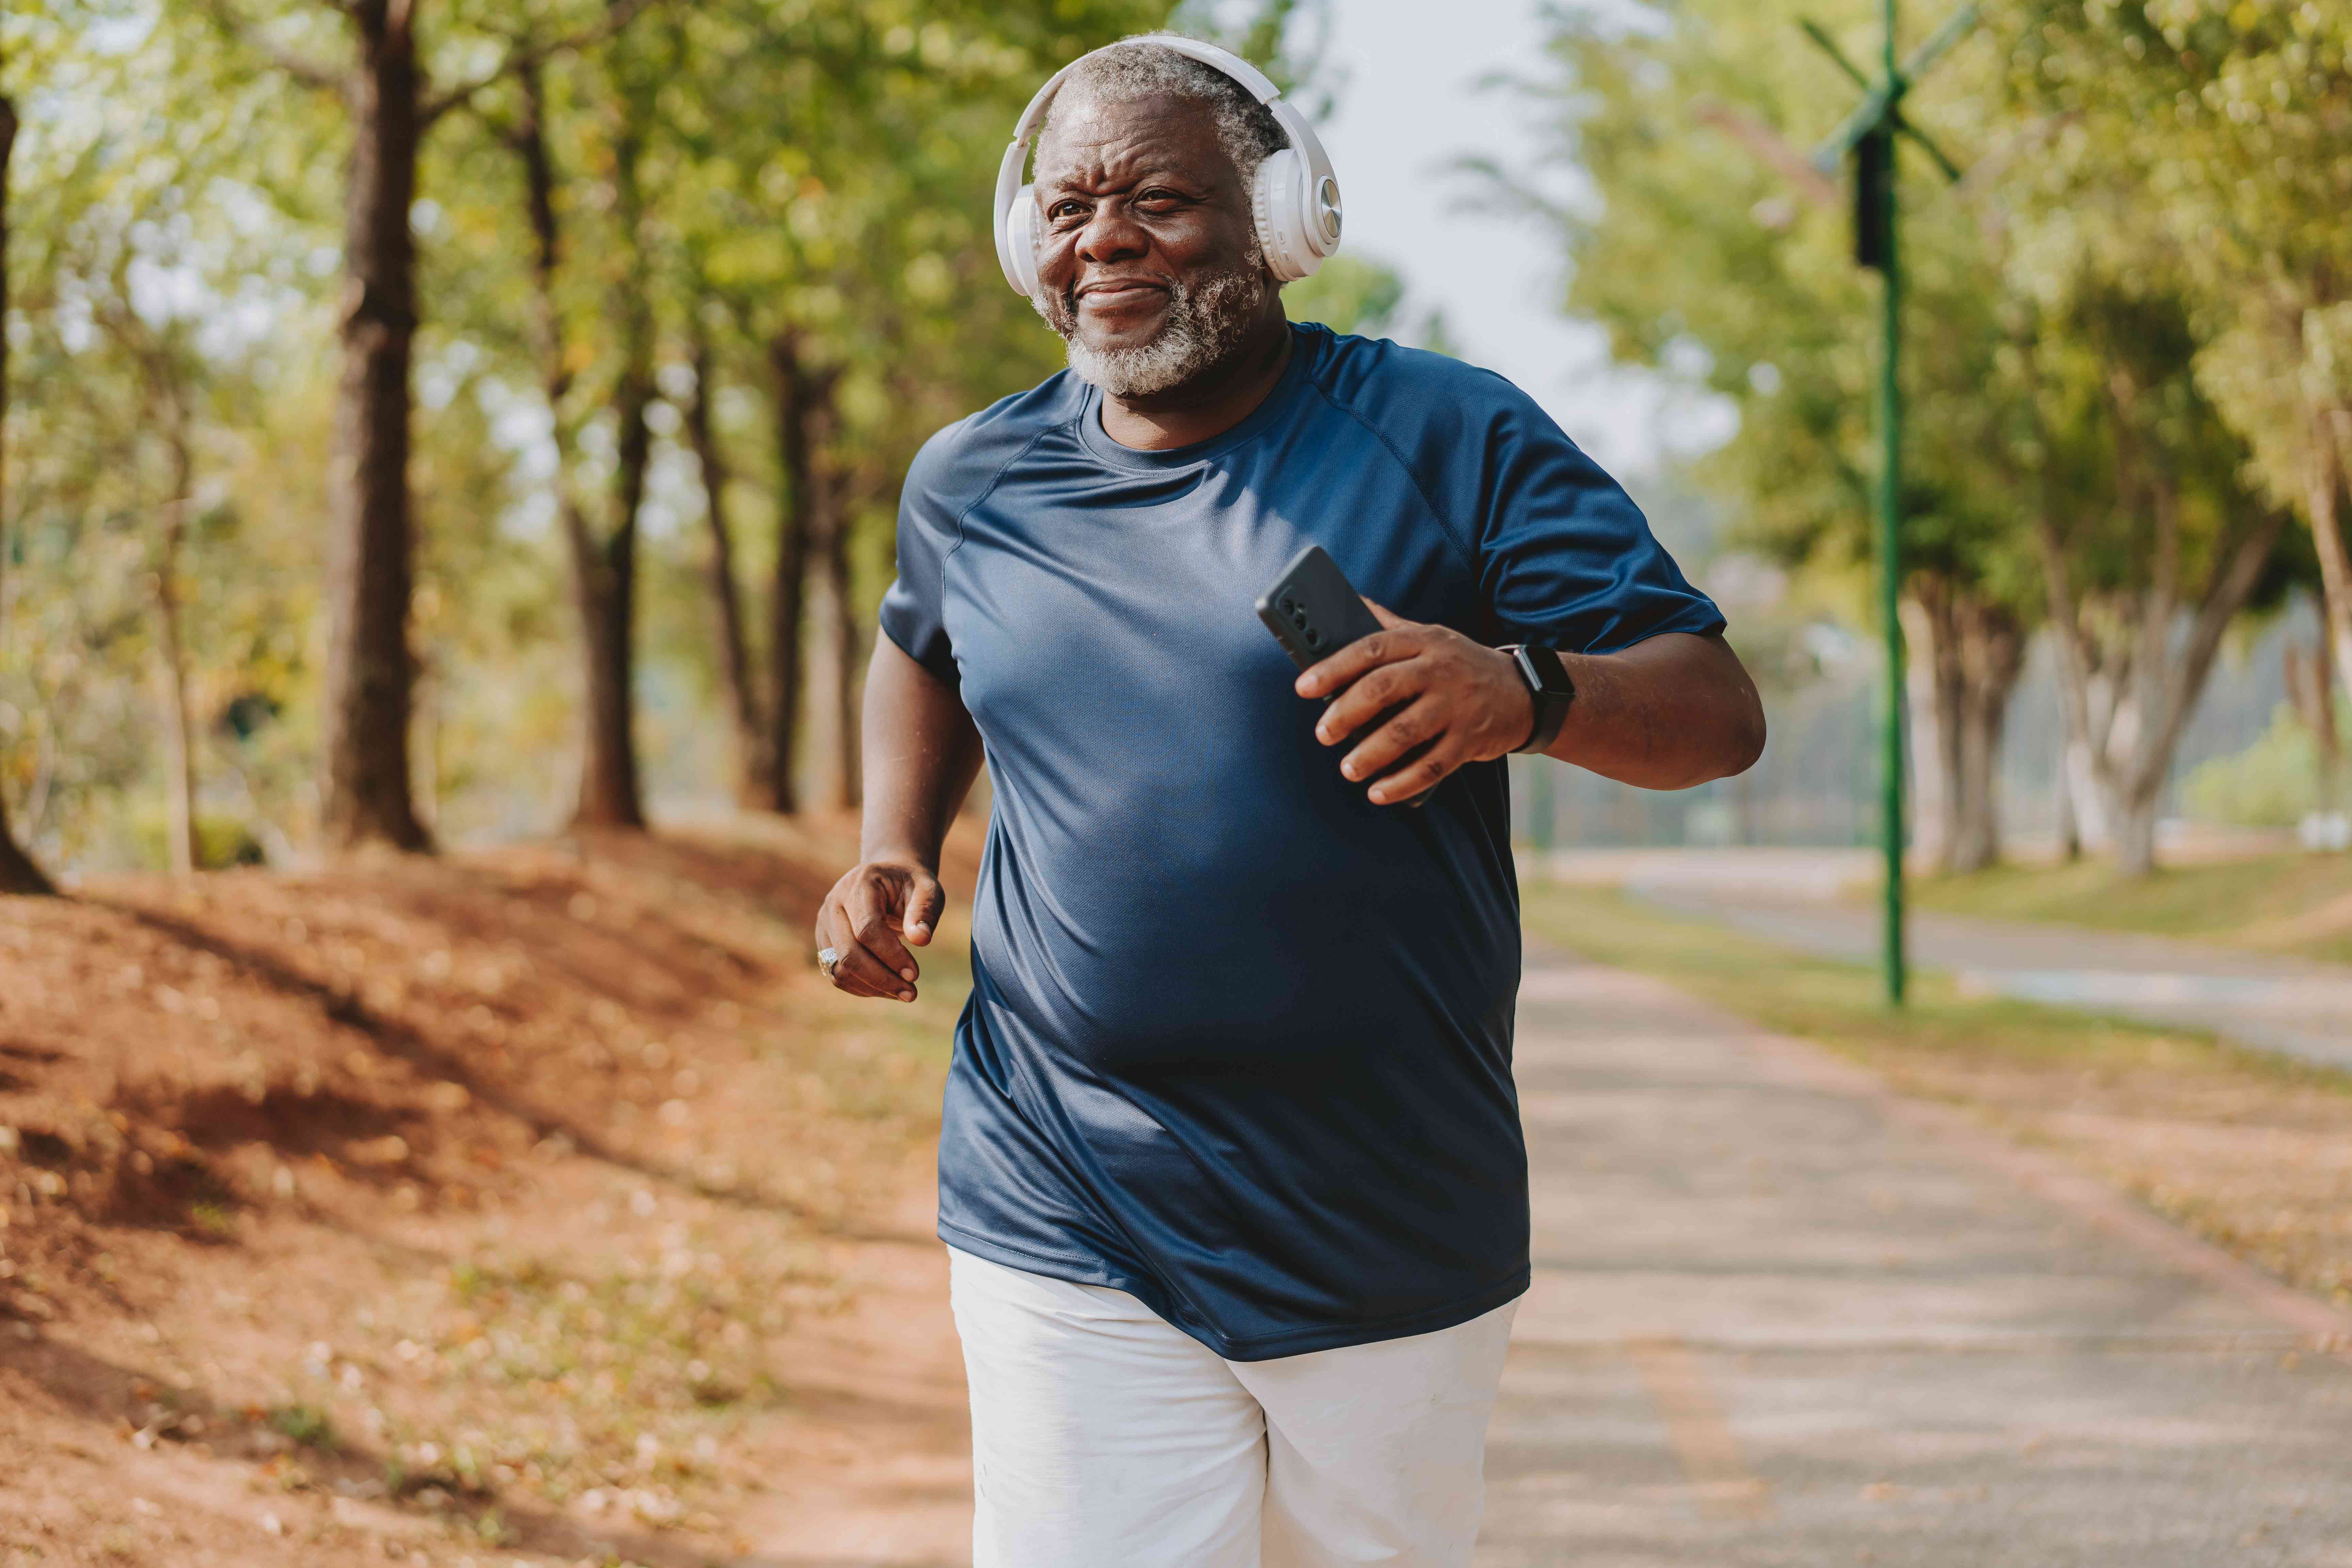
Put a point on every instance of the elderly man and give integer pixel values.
(1231, 1169)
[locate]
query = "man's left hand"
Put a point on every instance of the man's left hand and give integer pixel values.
(1466, 701)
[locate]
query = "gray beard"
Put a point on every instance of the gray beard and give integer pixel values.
(1206, 323)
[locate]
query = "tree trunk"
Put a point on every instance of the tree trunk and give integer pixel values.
(2171, 681)
(2311, 692)
(2092, 828)
(427, 783)
(2084, 740)
(1970, 653)
(609, 795)
(2333, 438)
(18, 872)
(1992, 658)
(733, 656)
(835, 642)
(1932, 692)
(2061, 789)
(2135, 822)
(799, 395)
(2124, 711)
(846, 650)
(843, 661)
(179, 740)
(604, 587)
(364, 790)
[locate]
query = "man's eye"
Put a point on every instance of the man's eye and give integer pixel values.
(1064, 209)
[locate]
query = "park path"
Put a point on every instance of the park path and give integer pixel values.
(1783, 1318)
(1794, 898)
(1780, 1319)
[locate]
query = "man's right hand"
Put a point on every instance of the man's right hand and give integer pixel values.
(870, 916)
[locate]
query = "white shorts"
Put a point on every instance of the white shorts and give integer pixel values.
(1103, 1438)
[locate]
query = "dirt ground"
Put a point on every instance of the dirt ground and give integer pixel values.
(542, 1205)
(532, 1206)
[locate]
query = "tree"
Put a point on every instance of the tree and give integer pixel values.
(831, 200)
(19, 874)
(2238, 121)
(2145, 519)
(2065, 453)
(603, 560)
(1715, 255)
(364, 778)
(2311, 696)
(807, 284)
(807, 532)
(167, 402)
(1348, 294)
(732, 646)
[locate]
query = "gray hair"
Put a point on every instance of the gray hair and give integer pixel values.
(1139, 67)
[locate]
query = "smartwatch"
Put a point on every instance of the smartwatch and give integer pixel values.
(1549, 684)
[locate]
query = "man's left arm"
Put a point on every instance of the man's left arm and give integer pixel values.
(1672, 710)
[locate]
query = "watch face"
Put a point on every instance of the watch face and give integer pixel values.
(1550, 671)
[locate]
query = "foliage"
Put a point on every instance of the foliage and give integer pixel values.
(1708, 261)
(2228, 128)
(2232, 125)
(1346, 294)
(820, 169)
(2076, 442)
(2273, 782)
(149, 285)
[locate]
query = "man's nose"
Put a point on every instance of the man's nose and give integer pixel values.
(1111, 234)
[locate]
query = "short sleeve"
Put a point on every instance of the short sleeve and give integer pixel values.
(1566, 559)
(914, 610)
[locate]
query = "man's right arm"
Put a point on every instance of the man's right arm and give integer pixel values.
(921, 752)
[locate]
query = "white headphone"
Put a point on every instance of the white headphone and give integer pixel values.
(1294, 200)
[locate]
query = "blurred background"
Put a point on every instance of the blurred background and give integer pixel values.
(449, 464)
(679, 289)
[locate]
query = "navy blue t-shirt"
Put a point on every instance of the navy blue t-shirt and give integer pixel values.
(1239, 1042)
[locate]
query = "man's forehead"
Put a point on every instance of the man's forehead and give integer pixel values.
(1089, 137)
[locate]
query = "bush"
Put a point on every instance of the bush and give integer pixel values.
(2274, 782)
(221, 842)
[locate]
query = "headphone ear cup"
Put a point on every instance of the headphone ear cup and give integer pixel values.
(1021, 242)
(1277, 208)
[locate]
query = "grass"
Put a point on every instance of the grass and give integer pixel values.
(2251, 1150)
(2290, 903)
(305, 1426)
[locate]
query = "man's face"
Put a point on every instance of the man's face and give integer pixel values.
(1146, 262)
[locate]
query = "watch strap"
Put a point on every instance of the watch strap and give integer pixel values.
(1551, 689)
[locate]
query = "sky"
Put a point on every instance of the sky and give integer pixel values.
(1410, 105)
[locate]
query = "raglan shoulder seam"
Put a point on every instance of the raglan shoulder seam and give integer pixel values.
(1412, 477)
(985, 492)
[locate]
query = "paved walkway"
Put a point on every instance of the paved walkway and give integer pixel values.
(1792, 898)
(1781, 1319)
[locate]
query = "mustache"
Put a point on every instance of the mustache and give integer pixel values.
(1174, 287)
(1095, 285)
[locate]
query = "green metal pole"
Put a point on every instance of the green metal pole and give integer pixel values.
(1890, 536)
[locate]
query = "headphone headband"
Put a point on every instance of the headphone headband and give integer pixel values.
(1298, 226)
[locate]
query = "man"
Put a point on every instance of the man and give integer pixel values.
(1230, 1167)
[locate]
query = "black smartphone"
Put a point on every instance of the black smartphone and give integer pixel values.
(1313, 612)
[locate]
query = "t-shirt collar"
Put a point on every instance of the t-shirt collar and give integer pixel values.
(1304, 347)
